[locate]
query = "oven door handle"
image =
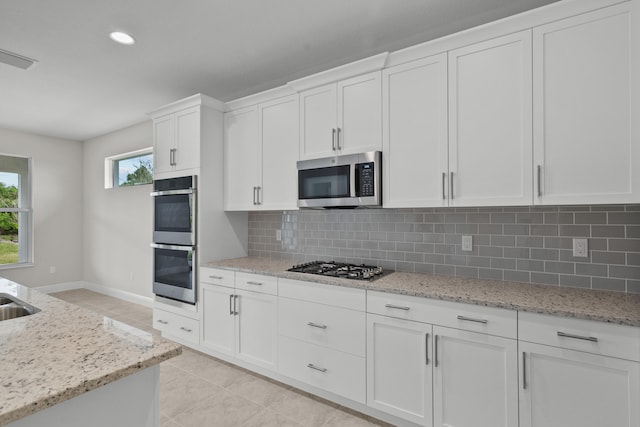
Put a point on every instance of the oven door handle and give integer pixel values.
(173, 192)
(173, 247)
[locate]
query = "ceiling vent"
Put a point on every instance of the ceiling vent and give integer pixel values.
(15, 60)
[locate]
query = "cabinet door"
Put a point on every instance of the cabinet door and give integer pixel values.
(399, 374)
(187, 146)
(415, 157)
(241, 159)
(256, 328)
(279, 153)
(217, 319)
(490, 159)
(567, 388)
(475, 379)
(584, 145)
(163, 143)
(318, 122)
(360, 114)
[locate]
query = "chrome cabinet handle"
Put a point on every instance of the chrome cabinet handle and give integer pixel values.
(435, 351)
(397, 307)
(539, 180)
(577, 337)
(164, 322)
(186, 329)
(171, 157)
(231, 305)
(259, 199)
(444, 178)
(451, 188)
(235, 304)
(426, 349)
(338, 130)
(333, 139)
(470, 319)
(524, 370)
(312, 366)
(255, 189)
(315, 325)
(216, 277)
(254, 283)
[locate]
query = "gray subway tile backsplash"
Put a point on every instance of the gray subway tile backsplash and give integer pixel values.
(523, 244)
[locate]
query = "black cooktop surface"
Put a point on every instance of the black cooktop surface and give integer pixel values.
(339, 269)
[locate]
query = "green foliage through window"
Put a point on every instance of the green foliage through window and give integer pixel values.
(137, 170)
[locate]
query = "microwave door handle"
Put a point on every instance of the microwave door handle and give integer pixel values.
(354, 177)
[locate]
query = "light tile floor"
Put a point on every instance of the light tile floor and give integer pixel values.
(197, 390)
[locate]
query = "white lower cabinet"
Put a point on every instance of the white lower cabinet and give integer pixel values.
(321, 336)
(238, 322)
(399, 374)
(177, 327)
(475, 379)
(578, 373)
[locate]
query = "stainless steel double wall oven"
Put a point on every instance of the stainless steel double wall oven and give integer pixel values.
(174, 238)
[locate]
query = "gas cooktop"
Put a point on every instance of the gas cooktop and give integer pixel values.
(339, 269)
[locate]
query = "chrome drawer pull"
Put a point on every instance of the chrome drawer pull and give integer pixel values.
(216, 277)
(397, 307)
(315, 325)
(577, 337)
(524, 370)
(470, 319)
(164, 322)
(186, 329)
(312, 366)
(254, 283)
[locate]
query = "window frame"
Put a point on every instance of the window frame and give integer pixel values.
(25, 206)
(110, 171)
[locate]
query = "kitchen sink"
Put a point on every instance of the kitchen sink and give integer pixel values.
(11, 308)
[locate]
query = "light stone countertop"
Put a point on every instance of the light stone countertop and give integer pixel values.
(64, 351)
(603, 306)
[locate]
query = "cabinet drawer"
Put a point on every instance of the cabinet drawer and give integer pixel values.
(468, 317)
(216, 276)
(257, 283)
(576, 334)
(340, 373)
(333, 327)
(181, 327)
(337, 296)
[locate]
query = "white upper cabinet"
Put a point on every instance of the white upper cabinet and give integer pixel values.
(415, 157)
(181, 130)
(341, 118)
(278, 122)
(241, 152)
(586, 143)
(261, 150)
(490, 159)
(177, 141)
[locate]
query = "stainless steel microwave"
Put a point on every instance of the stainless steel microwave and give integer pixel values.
(348, 181)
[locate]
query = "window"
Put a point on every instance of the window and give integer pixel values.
(128, 169)
(16, 216)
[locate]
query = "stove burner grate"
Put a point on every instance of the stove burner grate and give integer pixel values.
(339, 269)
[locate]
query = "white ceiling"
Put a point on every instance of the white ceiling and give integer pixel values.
(84, 85)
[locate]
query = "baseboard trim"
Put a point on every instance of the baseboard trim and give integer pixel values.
(116, 293)
(120, 294)
(61, 287)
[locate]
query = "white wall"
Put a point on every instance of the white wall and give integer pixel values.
(57, 207)
(117, 221)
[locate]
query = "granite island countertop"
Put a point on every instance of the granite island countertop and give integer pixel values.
(603, 306)
(64, 351)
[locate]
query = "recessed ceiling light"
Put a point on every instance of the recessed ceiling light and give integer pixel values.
(123, 38)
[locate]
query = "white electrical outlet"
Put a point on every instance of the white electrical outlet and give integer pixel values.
(580, 248)
(467, 243)
(52, 269)
(279, 235)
